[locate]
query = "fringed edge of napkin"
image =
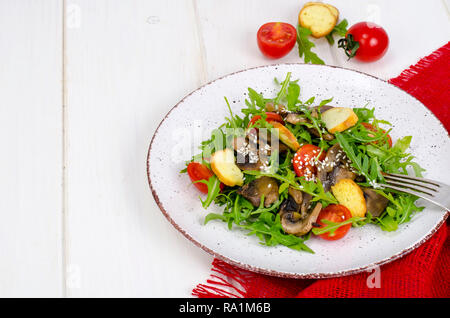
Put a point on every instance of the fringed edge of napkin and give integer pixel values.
(225, 282)
(423, 65)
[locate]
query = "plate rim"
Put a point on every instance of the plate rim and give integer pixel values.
(276, 273)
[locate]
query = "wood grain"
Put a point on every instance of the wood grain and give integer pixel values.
(31, 137)
(127, 65)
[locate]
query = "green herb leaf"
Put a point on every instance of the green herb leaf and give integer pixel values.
(305, 45)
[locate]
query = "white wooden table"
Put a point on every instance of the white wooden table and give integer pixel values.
(83, 85)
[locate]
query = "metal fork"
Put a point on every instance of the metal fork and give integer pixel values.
(430, 190)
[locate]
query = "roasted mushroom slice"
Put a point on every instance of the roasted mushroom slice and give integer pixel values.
(247, 157)
(297, 195)
(295, 119)
(376, 203)
(334, 167)
(340, 173)
(279, 108)
(293, 223)
(324, 108)
(325, 135)
(254, 190)
(254, 149)
(298, 118)
(305, 204)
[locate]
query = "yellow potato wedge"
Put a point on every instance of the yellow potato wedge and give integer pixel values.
(350, 195)
(333, 9)
(224, 167)
(338, 119)
(286, 136)
(318, 18)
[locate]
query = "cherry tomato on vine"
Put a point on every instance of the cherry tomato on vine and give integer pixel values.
(365, 41)
(270, 117)
(198, 171)
(374, 129)
(335, 213)
(276, 39)
(305, 159)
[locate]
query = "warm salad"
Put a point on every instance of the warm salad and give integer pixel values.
(287, 168)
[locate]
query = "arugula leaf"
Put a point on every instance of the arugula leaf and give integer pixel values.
(305, 45)
(331, 227)
(292, 95)
(257, 98)
(213, 184)
(340, 29)
(283, 89)
(400, 210)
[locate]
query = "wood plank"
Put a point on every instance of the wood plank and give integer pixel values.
(128, 63)
(31, 137)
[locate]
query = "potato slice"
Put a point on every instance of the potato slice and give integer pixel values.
(224, 167)
(338, 119)
(333, 9)
(286, 136)
(350, 195)
(318, 18)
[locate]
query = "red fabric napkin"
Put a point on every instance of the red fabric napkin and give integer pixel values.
(425, 272)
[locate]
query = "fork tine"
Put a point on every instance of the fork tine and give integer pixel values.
(408, 186)
(404, 176)
(406, 182)
(406, 190)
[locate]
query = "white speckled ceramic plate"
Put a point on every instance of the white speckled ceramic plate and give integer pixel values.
(363, 247)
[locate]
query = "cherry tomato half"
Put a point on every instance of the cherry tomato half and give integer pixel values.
(270, 117)
(335, 213)
(304, 161)
(373, 41)
(276, 39)
(374, 129)
(198, 171)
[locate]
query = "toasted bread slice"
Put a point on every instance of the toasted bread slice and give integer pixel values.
(338, 119)
(350, 195)
(333, 9)
(286, 136)
(318, 18)
(224, 167)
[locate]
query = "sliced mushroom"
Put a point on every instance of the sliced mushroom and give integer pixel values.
(254, 149)
(254, 190)
(293, 223)
(326, 135)
(334, 167)
(279, 108)
(246, 154)
(376, 203)
(298, 118)
(305, 204)
(340, 173)
(295, 119)
(297, 195)
(323, 108)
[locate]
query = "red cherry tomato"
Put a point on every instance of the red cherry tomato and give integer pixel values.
(304, 161)
(335, 213)
(198, 171)
(270, 117)
(276, 39)
(374, 129)
(373, 41)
